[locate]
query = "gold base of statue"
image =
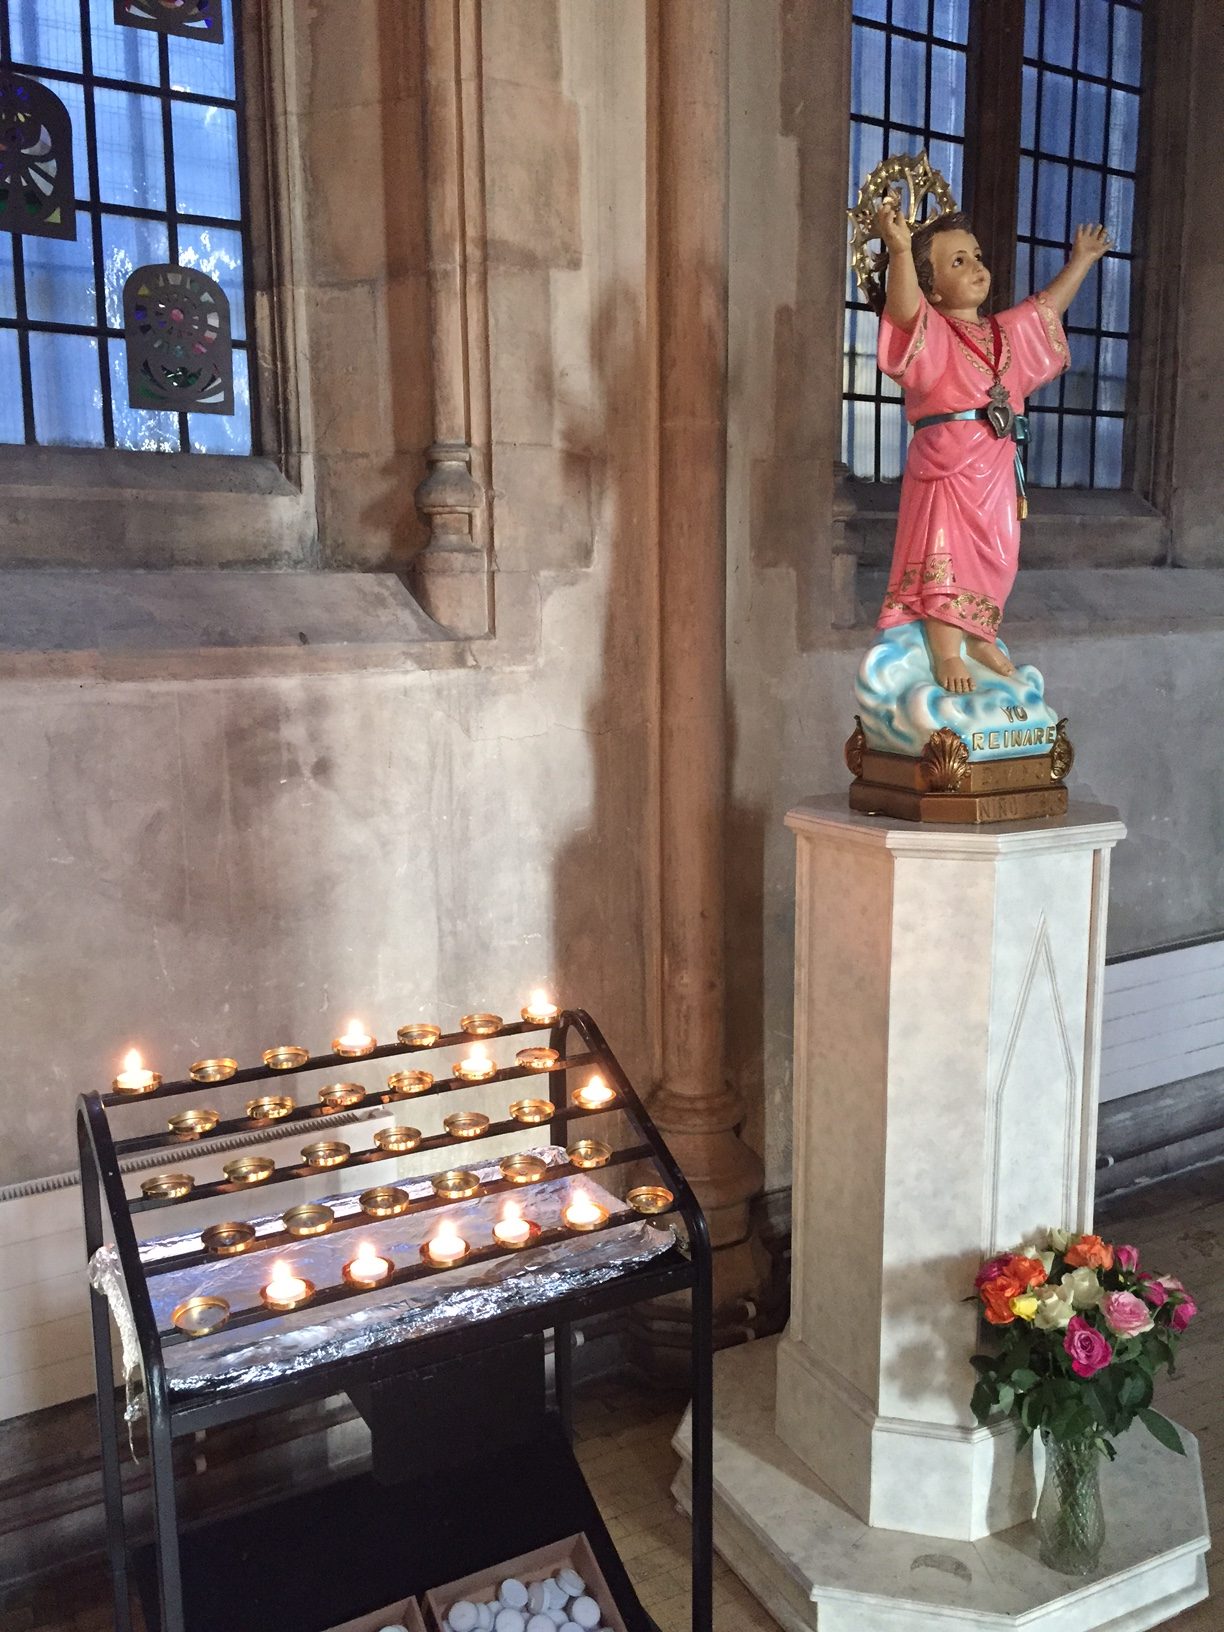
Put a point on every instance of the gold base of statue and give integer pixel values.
(942, 784)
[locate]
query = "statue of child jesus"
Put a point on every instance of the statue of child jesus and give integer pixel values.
(965, 379)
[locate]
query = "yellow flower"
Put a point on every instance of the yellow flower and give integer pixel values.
(1025, 1306)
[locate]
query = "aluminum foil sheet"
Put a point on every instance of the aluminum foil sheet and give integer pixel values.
(285, 1345)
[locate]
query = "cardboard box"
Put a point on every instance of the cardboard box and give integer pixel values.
(397, 1614)
(574, 1551)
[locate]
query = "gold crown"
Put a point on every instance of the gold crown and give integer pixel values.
(911, 171)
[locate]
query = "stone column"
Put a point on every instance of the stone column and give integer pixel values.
(452, 575)
(695, 1107)
(947, 1034)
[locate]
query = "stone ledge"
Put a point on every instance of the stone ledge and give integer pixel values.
(201, 624)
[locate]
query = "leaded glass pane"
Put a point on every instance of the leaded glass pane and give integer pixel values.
(194, 67)
(67, 390)
(46, 33)
(12, 422)
(232, 434)
(206, 161)
(59, 280)
(217, 252)
(8, 289)
(131, 163)
(118, 52)
(128, 241)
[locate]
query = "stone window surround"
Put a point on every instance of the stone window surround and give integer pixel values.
(106, 509)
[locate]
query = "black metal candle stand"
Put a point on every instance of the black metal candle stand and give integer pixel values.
(480, 1456)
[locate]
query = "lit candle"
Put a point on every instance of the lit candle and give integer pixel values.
(354, 1040)
(583, 1213)
(285, 1289)
(512, 1229)
(367, 1268)
(595, 1095)
(134, 1079)
(447, 1247)
(476, 1065)
(540, 1008)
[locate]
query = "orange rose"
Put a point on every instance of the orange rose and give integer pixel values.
(999, 1311)
(1089, 1252)
(1030, 1271)
(1014, 1276)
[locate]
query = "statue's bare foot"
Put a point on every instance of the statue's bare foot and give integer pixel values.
(952, 675)
(989, 655)
(947, 664)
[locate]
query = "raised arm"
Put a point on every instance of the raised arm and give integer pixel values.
(1091, 243)
(903, 298)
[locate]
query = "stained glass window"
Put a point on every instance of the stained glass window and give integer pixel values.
(160, 178)
(907, 91)
(1079, 134)
(1076, 158)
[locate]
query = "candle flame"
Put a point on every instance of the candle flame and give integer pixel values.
(281, 1272)
(478, 1055)
(132, 1060)
(365, 1252)
(355, 1032)
(512, 1213)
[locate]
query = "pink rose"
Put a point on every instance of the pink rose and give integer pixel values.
(1127, 1258)
(1153, 1291)
(1126, 1314)
(1184, 1313)
(1089, 1349)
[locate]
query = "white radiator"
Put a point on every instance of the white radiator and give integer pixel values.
(1163, 1019)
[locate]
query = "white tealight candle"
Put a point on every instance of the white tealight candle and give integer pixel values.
(447, 1247)
(134, 1079)
(540, 1008)
(284, 1288)
(355, 1039)
(595, 1094)
(367, 1268)
(512, 1229)
(476, 1064)
(582, 1213)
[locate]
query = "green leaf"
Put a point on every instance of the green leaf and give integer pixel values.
(982, 1401)
(983, 1364)
(1022, 1378)
(1006, 1397)
(1162, 1429)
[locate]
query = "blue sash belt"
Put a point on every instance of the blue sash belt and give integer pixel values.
(1019, 434)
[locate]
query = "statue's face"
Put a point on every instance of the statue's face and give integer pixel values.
(961, 280)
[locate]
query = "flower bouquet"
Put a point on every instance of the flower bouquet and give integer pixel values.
(1083, 1333)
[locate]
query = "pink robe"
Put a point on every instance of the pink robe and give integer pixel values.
(958, 532)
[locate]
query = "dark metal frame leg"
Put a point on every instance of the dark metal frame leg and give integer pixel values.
(112, 1477)
(563, 1375)
(165, 1520)
(702, 1463)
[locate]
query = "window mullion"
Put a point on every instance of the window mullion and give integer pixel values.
(992, 137)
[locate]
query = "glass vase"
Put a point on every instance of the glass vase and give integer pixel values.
(1070, 1519)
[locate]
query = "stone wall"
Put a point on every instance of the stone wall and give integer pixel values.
(202, 862)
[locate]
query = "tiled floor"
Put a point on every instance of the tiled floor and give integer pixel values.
(625, 1449)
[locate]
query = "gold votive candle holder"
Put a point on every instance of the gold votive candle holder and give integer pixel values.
(167, 1186)
(419, 1035)
(325, 1153)
(466, 1124)
(384, 1201)
(523, 1168)
(405, 1083)
(515, 1233)
(595, 1095)
(311, 1218)
(475, 1067)
(199, 1316)
(376, 1270)
(227, 1240)
(285, 1057)
(249, 1169)
(193, 1124)
(532, 1111)
(650, 1198)
(481, 1025)
(398, 1140)
(456, 1184)
(538, 1059)
(136, 1083)
(590, 1153)
(220, 1070)
(583, 1214)
(341, 1096)
(354, 1045)
(269, 1107)
(446, 1249)
(287, 1292)
(539, 1010)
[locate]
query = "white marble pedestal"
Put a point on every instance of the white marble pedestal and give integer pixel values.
(816, 1567)
(947, 1033)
